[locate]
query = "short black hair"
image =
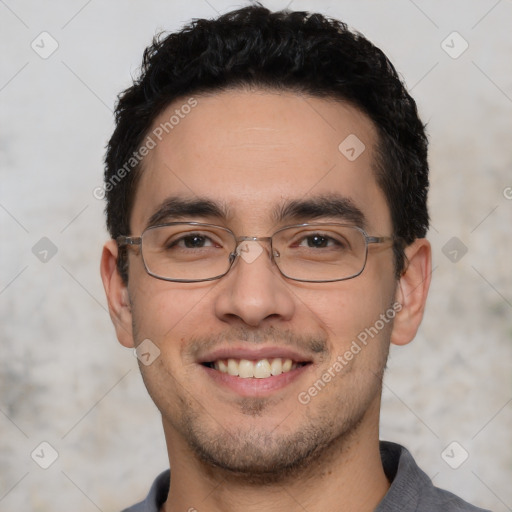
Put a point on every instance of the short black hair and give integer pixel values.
(284, 51)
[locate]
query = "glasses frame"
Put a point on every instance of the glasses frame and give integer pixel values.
(131, 241)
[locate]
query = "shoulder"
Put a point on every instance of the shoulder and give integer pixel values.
(156, 496)
(412, 489)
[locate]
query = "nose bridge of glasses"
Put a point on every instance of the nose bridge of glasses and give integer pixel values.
(249, 251)
(252, 238)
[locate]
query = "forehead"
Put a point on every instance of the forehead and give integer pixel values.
(253, 151)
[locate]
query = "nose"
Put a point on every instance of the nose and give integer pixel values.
(254, 291)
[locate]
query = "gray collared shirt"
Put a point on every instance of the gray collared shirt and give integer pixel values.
(411, 489)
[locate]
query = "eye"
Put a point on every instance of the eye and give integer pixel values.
(316, 241)
(320, 241)
(191, 241)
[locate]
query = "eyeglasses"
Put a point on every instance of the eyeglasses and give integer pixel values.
(189, 252)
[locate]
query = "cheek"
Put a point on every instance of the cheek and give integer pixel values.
(163, 310)
(345, 311)
(356, 311)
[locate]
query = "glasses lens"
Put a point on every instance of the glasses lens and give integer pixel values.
(187, 252)
(320, 252)
(198, 252)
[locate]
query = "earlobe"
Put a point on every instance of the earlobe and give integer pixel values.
(117, 294)
(412, 291)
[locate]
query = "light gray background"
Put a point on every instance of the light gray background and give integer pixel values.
(65, 380)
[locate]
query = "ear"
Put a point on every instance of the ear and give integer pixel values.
(412, 291)
(117, 294)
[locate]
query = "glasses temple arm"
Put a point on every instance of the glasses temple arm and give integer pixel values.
(123, 241)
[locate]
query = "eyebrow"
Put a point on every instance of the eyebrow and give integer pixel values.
(333, 206)
(178, 208)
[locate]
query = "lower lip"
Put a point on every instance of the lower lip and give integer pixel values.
(252, 387)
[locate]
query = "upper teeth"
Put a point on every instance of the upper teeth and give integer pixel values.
(260, 369)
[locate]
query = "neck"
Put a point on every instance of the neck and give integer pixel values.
(348, 476)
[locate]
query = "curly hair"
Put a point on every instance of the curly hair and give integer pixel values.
(287, 51)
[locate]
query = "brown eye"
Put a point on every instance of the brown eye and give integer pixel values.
(317, 241)
(190, 241)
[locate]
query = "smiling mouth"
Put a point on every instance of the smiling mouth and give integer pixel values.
(257, 369)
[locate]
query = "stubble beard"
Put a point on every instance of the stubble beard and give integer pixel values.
(263, 455)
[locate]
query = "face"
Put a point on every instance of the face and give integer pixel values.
(252, 154)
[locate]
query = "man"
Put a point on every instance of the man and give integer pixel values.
(266, 197)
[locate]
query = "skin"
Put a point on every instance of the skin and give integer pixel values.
(253, 150)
